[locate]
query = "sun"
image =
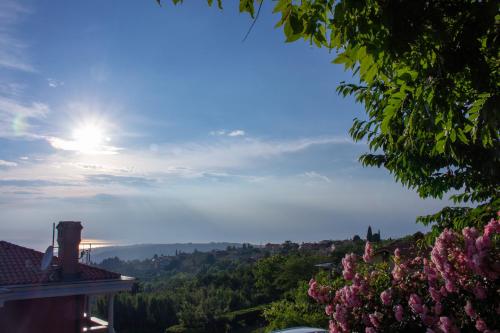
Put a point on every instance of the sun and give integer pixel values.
(89, 137)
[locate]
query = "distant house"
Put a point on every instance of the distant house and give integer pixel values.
(408, 248)
(273, 248)
(57, 299)
(323, 247)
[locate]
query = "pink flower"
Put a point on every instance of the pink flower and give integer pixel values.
(398, 312)
(469, 310)
(399, 271)
(483, 242)
(349, 265)
(450, 286)
(415, 303)
(341, 316)
(333, 327)
(460, 265)
(436, 295)
(385, 297)
(367, 257)
(493, 227)
(375, 319)
(481, 325)
(447, 326)
(312, 288)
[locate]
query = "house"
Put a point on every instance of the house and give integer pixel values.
(324, 247)
(57, 299)
(409, 247)
(273, 248)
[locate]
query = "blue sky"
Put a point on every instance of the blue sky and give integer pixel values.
(157, 124)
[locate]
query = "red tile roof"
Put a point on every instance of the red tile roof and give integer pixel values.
(20, 265)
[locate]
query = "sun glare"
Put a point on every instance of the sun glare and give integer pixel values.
(89, 137)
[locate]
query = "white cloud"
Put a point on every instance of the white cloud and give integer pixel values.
(236, 133)
(53, 83)
(233, 133)
(73, 145)
(14, 108)
(4, 163)
(240, 160)
(317, 176)
(13, 50)
(221, 155)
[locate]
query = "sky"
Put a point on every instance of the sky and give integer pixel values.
(160, 125)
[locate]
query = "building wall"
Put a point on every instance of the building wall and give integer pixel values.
(43, 315)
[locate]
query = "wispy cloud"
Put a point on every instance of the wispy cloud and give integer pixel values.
(53, 83)
(236, 133)
(4, 163)
(222, 160)
(103, 179)
(16, 117)
(317, 176)
(32, 183)
(223, 155)
(13, 53)
(231, 133)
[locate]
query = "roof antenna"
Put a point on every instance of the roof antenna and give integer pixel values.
(49, 253)
(53, 232)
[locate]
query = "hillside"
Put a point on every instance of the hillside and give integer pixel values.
(145, 251)
(239, 290)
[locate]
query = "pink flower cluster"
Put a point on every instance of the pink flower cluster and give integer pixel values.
(319, 293)
(367, 257)
(454, 290)
(349, 265)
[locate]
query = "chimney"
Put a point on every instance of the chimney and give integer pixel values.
(68, 238)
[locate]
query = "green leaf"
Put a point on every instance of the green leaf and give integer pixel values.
(461, 136)
(296, 24)
(440, 145)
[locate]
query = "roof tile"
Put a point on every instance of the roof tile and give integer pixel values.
(20, 265)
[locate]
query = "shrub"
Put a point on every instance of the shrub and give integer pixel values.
(452, 289)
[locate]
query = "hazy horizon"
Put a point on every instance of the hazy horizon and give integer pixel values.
(159, 125)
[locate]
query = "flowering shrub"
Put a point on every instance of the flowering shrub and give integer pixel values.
(454, 289)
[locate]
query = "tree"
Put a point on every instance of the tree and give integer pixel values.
(299, 310)
(369, 234)
(428, 76)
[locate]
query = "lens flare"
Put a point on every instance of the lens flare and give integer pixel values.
(19, 125)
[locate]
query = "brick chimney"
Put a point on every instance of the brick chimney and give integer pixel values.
(68, 238)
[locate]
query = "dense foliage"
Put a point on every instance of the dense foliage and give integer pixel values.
(238, 290)
(429, 81)
(453, 289)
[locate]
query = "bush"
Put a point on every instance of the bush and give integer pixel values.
(453, 289)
